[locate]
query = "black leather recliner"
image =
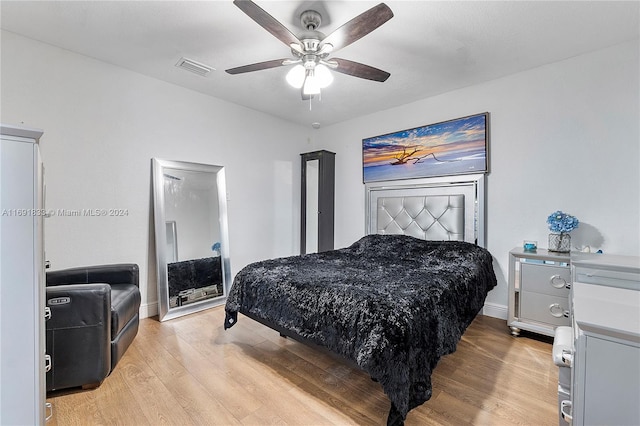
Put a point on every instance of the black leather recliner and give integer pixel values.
(94, 319)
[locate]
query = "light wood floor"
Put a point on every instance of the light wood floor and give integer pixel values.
(189, 371)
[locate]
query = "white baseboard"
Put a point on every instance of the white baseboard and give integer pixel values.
(148, 310)
(489, 309)
(496, 311)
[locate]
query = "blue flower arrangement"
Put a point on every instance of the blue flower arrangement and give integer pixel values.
(216, 249)
(561, 222)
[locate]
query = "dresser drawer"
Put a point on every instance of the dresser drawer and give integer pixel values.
(545, 308)
(547, 279)
(620, 279)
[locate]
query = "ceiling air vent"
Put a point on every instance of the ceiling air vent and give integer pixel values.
(194, 67)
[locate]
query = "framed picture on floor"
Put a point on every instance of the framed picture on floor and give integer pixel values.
(452, 147)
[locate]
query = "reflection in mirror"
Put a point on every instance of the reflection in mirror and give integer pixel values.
(313, 169)
(193, 264)
(172, 242)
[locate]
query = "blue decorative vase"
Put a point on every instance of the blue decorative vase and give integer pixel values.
(560, 243)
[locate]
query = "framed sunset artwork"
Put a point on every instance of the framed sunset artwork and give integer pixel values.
(451, 147)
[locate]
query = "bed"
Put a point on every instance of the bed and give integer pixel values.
(395, 301)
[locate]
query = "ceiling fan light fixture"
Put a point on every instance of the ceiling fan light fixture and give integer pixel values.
(311, 84)
(323, 75)
(295, 76)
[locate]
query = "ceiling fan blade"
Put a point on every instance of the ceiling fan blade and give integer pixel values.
(258, 66)
(357, 69)
(359, 26)
(267, 21)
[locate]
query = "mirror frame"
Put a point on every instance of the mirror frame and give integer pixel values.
(158, 170)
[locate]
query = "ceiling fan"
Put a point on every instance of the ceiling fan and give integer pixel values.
(311, 49)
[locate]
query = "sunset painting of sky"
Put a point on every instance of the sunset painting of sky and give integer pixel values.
(451, 147)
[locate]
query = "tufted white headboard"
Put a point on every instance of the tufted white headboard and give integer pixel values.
(446, 208)
(436, 217)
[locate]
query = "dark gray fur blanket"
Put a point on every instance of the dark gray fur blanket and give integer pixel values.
(391, 303)
(195, 273)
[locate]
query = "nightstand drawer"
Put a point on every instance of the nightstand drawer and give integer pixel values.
(545, 308)
(547, 279)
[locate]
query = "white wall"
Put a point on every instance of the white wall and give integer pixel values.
(563, 136)
(103, 124)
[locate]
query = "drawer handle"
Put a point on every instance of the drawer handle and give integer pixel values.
(566, 416)
(49, 409)
(557, 281)
(556, 310)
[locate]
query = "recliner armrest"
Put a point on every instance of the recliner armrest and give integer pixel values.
(121, 273)
(78, 334)
(79, 304)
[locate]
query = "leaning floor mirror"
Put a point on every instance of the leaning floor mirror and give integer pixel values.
(192, 243)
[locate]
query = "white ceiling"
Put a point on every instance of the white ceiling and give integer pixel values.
(429, 47)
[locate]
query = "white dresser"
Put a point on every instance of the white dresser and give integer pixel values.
(22, 298)
(605, 373)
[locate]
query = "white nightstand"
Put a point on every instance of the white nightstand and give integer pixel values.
(539, 285)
